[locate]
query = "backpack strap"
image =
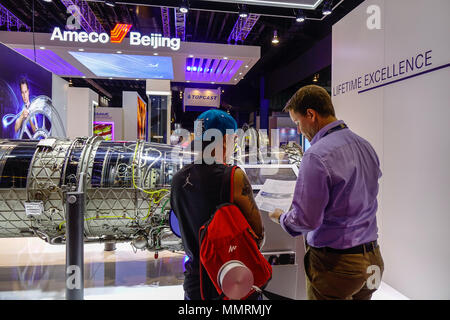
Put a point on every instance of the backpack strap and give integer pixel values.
(228, 180)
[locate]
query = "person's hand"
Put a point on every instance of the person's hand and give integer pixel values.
(25, 113)
(275, 215)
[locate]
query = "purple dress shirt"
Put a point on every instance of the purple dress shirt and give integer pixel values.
(335, 197)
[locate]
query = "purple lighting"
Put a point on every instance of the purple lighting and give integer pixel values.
(211, 70)
(50, 61)
(10, 20)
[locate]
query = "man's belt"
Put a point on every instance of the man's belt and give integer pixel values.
(369, 246)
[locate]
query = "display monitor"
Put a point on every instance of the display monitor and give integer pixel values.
(104, 129)
(142, 119)
(126, 65)
(258, 174)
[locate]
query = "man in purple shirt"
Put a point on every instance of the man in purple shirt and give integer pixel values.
(335, 202)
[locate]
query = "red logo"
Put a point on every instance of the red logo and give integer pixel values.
(119, 32)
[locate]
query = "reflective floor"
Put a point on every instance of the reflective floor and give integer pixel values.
(30, 269)
(38, 272)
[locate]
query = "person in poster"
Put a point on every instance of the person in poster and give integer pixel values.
(26, 107)
(25, 92)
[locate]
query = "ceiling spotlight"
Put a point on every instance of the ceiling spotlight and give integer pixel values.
(155, 54)
(110, 3)
(300, 17)
(243, 12)
(119, 52)
(81, 49)
(275, 39)
(184, 6)
(48, 1)
(316, 77)
(326, 10)
(42, 48)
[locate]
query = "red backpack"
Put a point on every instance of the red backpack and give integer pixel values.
(229, 253)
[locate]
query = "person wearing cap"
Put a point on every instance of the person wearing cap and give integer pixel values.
(335, 202)
(198, 188)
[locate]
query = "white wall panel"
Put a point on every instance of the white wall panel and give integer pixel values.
(406, 122)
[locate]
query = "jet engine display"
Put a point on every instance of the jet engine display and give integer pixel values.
(126, 186)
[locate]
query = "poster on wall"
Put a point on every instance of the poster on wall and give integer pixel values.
(142, 119)
(26, 108)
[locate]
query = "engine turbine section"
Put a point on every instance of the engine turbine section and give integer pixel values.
(126, 186)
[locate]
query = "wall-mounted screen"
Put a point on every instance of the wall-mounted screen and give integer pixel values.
(104, 129)
(142, 119)
(126, 65)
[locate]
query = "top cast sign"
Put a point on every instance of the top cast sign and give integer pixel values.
(117, 35)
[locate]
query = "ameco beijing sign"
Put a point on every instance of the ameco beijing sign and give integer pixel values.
(117, 35)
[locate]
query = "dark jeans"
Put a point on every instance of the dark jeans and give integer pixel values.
(342, 276)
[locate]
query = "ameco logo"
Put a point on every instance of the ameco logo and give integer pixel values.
(119, 32)
(117, 35)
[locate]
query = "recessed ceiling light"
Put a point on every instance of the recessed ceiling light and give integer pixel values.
(226, 58)
(212, 82)
(81, 49)
(155, 54)
(246, 66)
(42, 48)
(84, 77)
(119, 52)
(188, 81)
(191, 56)
(110, 78)
(240, 73)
